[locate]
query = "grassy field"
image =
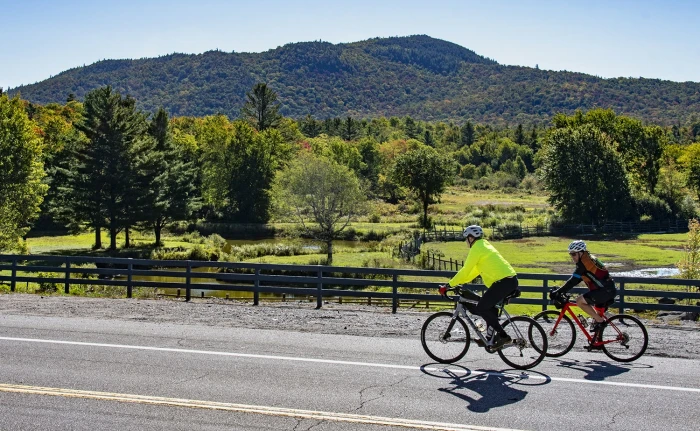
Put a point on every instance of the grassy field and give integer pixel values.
(84, 242)
(548, 254)
(457, 199)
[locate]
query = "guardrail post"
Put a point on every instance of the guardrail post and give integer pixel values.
(621, 291)
(256, 287)
(319, 287)
(129, 280)
(545, 285)
(66, 287)
(13, 282)
(394, 293)
(188, 281)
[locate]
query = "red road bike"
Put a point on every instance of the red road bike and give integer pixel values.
(622, 337)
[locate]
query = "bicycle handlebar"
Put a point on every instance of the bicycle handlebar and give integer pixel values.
(444, 288)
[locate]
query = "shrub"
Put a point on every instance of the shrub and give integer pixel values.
(690, 264)
(529, 183)
(468, 171)
(193, 237)
(687, 209)
(47, 286)
(652, 206)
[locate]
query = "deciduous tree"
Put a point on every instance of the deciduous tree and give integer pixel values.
(426, 173)
(585, 175)
(21, 172)
(322, 195)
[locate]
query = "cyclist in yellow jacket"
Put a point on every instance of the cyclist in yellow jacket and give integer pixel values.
(499, 277)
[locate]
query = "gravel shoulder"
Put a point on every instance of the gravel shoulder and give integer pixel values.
(678, 340)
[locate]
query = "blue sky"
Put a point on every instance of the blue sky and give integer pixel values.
(604, 38)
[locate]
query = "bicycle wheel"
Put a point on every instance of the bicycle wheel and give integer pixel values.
(529, 345)
(560, 340)
(444, 338)
(625, 338)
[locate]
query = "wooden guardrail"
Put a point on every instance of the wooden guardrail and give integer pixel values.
(313, 280)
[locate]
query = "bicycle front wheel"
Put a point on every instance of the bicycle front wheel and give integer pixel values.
(529, 345)
(445, 338)
(560, 338)
(624, 338)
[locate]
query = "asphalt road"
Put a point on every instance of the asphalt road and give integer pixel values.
(98, 374)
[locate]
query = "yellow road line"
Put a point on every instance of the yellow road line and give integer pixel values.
(243, 408)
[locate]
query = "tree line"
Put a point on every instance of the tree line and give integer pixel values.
(104, 165)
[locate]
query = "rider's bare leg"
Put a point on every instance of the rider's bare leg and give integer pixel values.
(581, 302)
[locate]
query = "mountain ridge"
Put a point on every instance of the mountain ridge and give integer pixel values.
(419, 76)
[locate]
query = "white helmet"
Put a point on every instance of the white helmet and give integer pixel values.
(473, 230)
(577, 246)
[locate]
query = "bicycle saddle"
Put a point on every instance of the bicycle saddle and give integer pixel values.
(511, 295)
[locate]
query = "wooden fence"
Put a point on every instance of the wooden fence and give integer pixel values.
(514, 231)
(318, 281)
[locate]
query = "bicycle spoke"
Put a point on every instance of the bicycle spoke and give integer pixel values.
(529, 344)
(624, 338)
(442, 345)
(562, 337)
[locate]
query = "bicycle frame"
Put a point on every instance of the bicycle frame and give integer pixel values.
(567, 309)
(461, 311)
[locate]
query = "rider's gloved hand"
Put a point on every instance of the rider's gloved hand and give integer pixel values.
(443, 289)
(556, 298)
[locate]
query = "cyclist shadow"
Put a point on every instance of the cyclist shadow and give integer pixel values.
(486, 389)
(599, 370)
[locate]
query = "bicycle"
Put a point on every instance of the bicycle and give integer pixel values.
(622, 337)
(446, 338)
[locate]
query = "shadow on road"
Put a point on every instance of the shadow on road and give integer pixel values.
(485, 389)
(599, 370)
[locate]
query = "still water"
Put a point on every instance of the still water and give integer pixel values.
(648, 273)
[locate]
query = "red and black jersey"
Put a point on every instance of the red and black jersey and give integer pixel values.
(591, 270)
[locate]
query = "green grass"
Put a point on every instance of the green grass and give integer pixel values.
(339, 258)
(549, 255)
(85, 241)
(457, 198)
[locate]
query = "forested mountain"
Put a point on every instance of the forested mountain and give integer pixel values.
(418, 76)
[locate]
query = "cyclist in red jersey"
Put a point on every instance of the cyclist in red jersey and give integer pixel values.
(596, 276)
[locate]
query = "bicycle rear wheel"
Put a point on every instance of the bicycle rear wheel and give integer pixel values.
(625, 338)
(560, 340)
(529, 345)
(445, 338)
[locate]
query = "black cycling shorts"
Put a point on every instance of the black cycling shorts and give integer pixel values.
(600, 297)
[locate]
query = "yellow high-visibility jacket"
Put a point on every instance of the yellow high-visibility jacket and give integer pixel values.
(483, 259)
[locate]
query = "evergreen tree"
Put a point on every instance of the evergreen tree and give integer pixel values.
(533, 141)
(371, 161)
(310, 127)
(350, 129)
(428, 139)
(468, 134)
(102, 185)
(170, 179)
(261, 108)
(410, 128)
(519, 135)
